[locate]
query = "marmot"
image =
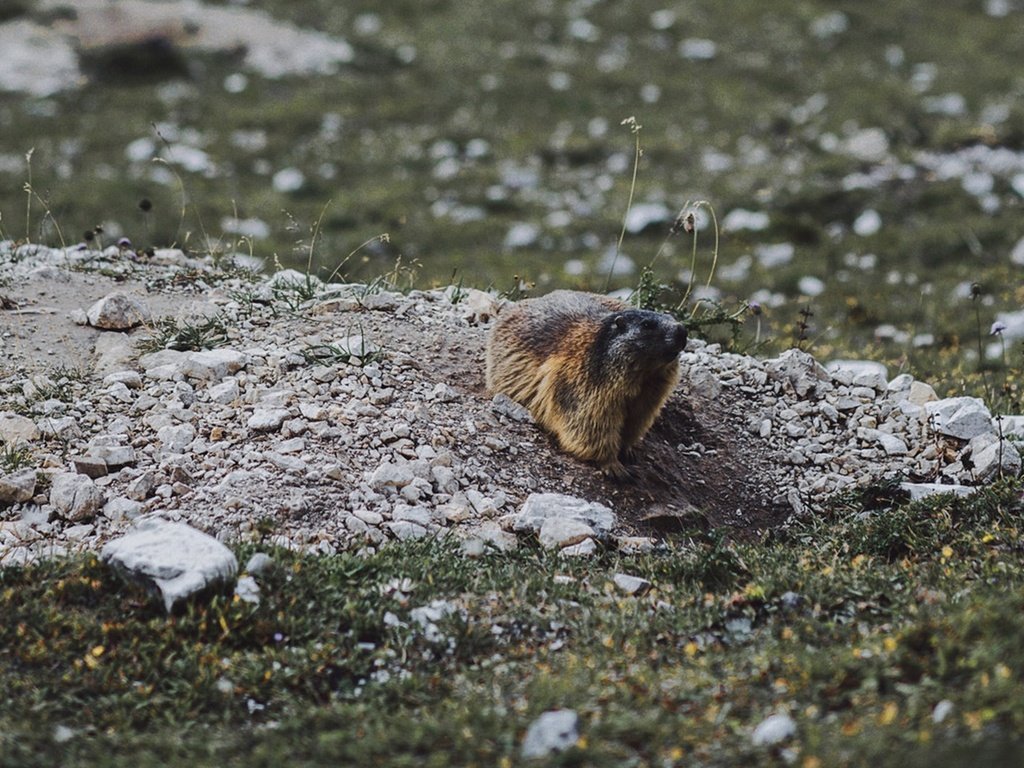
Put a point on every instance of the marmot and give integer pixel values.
(590, 369)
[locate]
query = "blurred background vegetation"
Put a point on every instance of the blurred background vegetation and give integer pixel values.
(865, 160)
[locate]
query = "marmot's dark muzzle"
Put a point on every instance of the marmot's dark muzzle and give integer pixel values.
(677, 338)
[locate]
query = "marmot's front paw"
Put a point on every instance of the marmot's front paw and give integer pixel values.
(619, 472)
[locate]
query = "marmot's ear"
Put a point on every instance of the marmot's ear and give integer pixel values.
(619, 322)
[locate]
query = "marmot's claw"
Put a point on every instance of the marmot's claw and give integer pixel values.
(618, 472)
(628, 455)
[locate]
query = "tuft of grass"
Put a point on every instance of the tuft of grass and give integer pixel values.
(185, 335)
(331, 354)
(14, 457)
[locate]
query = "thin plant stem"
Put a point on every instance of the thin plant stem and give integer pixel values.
(638, 152)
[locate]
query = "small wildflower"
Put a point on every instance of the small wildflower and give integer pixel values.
(684, 221)
(754, 307)
(975, 290)
(123, 243)
(634, 126)
(278, 637)
(997, 328)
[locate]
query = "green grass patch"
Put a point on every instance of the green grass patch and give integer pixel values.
(857, 625)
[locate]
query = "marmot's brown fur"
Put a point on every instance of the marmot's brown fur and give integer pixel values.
(590, 369)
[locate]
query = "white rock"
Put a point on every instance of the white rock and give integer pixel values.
(118, 312)
(1010, 426)
(114, 456)
(75, 497)
(17, 487)
(554, 731)
(799, 369)
(224, 393)
(119, 508)
(418, 515)
(631, 585)
(868, 223)
(919, 491)
(892, 445)
(585, 548)
(773, 730)
(921, 393)
(130, 379)
(404, 530)
(160, 359)
(393, 475)
(559, 532)
(171, 559)
(538, 507)
(113, 352)
(871, 372)
(248, 590)
(868, 144)
(259, 563)
(175, 439)
(1000, 459)
(267, 419)
(961, 417)
(942, 710)
(16, 430)
(489, 535)
(214, 364)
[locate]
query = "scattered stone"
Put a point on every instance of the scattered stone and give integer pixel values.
(259, 564)
(214, 364)
(891, 444)
(920, 491)
(118, 312)
(17, 487)
(267, 419)
(142, 487)
(635, 545)
(631, 585)
(75, 497)
(17, 430)
(90, 466)
(504, 405)
(961, 417)
(539, 507)
(774, 729)
(120, 508)
(560, 532)
(247, 590)
(942, 710)
(999, 458)
(554, 731)
(172, 560)
(585, 548)
(405, 530)
(224, 393)
(177, 438)
(799, 370)
(391, 475)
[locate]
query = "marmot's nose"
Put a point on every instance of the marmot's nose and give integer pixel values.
(678, 337)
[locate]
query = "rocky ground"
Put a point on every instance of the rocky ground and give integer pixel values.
(332, 417)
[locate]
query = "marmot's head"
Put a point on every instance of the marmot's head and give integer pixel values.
(639, 338)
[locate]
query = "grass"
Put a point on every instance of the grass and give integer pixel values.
(481, 73)
(857, 626)
(188, 335)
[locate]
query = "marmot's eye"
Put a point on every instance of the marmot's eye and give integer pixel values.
(648, 325)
